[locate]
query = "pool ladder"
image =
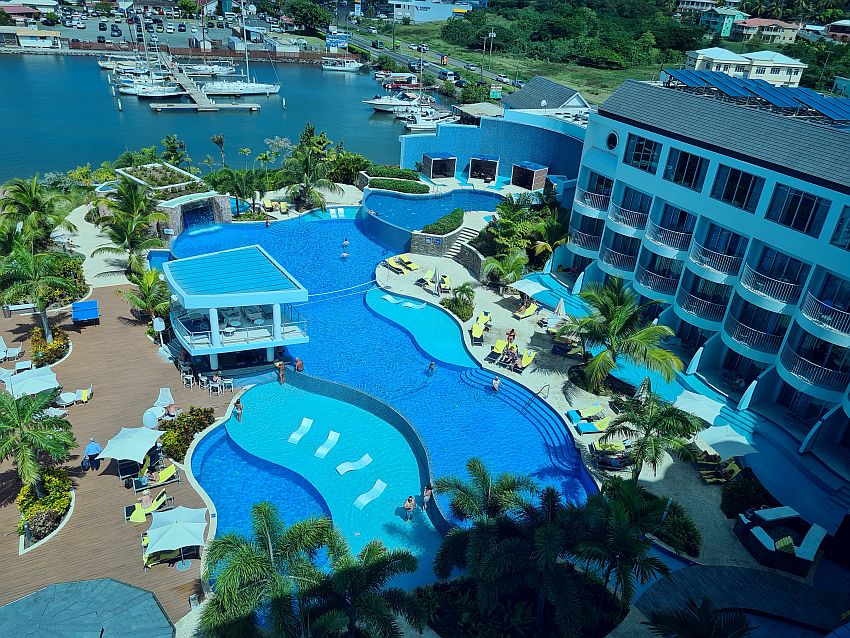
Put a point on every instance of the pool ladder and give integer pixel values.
(540, 394)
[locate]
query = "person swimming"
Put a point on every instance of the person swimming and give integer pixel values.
(344, 255)
(345, 242)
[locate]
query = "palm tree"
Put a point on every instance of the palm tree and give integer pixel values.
(464, 293)
(506, 268)
(150, 297)
(131, 236)
(700, 620)
(270, 571)
(25, 432)
(218, 140)
(309, 174)
(515, 208)
(36, 277)
(615, 325)
(656, 427)
(245, 152)
(353, 600)
(29, 208)
(553, 231)
(130, 198)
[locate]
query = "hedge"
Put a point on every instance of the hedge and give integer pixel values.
(180, 431)
(392, 171)
(57, 499)
(446, 224)
(400, 185)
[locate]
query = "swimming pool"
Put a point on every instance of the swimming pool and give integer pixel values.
(413, 212)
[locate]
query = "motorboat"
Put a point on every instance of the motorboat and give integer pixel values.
(404, 112)
(155, 91)
(112, 62)
(344, 65)
(387, 103)
(239, 87)
(429, 123)
(210, 70)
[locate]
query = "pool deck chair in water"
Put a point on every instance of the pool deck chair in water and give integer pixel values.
(405, 261)
(593, 427)
(477, 334)
(394, 266)
(526, 313)
(496, 350)
(350, 466)
(427, 280)
(328, 445)
(83, 311)
(364, 499)
(305, 426)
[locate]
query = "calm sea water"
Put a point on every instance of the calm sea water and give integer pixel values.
(57, 112)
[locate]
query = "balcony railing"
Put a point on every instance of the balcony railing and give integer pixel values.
(726, 264)
(657, 283)
(585, 240)
(784, 291)
(664, 236)
(631, 218)
(597, 201)
(230, 335)
(620, 261)
(826, 315)
(752, 338)
(709, 310)
(812, 373)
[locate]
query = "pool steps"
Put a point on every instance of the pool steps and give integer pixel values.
(305, 426)
(328, 445)
(367, 497)
(350, 466)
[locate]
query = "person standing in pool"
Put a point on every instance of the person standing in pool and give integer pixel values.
(281, 372)
(409, 506)
(432, 368)
(237, 409)
(345, 242)
(495, 384)
(426, 496)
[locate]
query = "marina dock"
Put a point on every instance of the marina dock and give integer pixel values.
(201, 103)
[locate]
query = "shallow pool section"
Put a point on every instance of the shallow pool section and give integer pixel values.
(412, 212)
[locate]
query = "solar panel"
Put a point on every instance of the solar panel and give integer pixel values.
(685, 77)
(694, 77)
(819, 104)
(722, 82)
(765, 90)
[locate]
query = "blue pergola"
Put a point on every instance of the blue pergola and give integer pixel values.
(483, 166)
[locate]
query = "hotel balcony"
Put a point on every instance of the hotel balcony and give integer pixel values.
(619, 261)
(708, 310)
(674, 239)
(812, 373)
(825, 315)
(593, 201)
(656, 283)
(781, 291)
(587, 241)
(752, 338)
(718, 262)
(629, 218)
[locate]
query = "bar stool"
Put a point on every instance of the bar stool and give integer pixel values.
(188, 380)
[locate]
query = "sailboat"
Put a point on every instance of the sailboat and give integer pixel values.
(240, 87)
(156, 91)
(211, 70)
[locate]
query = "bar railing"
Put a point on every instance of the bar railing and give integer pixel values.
(618, 260)
(761, 284)
(709, 310)
(812, 373)
(666, 237)
(597, 201)
(752, 338)
(826, 315)
(726, 264)
(631, 218)
(585, 240)
(658, 283)
(230, 335)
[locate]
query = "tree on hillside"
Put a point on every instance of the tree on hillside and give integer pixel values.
(308, 15)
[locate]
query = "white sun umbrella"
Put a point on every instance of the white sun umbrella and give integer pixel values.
(130, 444)
(528, 287)
(559, 309)
(32, 382)
(176, 529)
(704, 407)
(724, 440)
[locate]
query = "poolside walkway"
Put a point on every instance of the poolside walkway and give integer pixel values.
(127, 372)
(100, 270)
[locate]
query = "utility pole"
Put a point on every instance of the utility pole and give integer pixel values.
(492, 36)
(393, 28)
(483, 52)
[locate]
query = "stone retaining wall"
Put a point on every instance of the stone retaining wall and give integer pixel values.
(470, 258)
(433, 245)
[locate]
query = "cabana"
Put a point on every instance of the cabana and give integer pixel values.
(529, 175)
(484, 167)
(439, 164)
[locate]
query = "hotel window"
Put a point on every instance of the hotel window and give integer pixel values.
(841, 234)
(798, 210)
(685, 169)
(642, 153)
(740, 68)
(737, 188)
(775, 70)
(636, 201)
(760, 70)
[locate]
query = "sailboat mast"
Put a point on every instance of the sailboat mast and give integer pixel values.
(204, 33)
(245, 37)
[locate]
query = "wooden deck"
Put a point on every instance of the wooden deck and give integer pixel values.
(127, 373)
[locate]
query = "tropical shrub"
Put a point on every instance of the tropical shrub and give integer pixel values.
(392, 172)
(57, 499)
(57, 182)
(400, 186)
(679, 531)
(460, 307)
(180, 432)
(448, 223)
(44, 353)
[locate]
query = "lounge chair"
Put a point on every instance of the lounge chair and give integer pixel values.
(328, 445)
(350, 466)
(8, 353)
(593, 427)
(579, 414)
(484, 318)
(405, 261)
(367, 497)
(137, 514)
(268, 204)
(477, 334)
(526, 313)
(254, 312)
(84, 395)
(5, 373)
(496, 350)
(427, 280)
(305, 426)
(164, 399)
(715, 478)
(55, 413)
(160, 557)
(169, 474)
(393, 265)
(445, 284)
(527, 358)
(66, 399)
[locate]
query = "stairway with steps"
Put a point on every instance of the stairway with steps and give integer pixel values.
(466, 235)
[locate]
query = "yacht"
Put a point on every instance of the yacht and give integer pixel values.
(239, 87)
(211, 70)
(154, 91)
(387, 103)
(404, 112)
(345, 65)
(429, 123)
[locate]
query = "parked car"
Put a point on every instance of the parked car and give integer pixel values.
(461, 83)
(116, 32)
(81, 25)
(49, 23)
(220, 24)
(160, 28)
(503, 78)
(377, 44)
(372, 30)
(169, 28)
(181, 28)
(101, 26)
(382, 16)
(470, 67)
(101, 39)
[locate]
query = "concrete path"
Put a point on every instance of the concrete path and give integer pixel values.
(100, 270)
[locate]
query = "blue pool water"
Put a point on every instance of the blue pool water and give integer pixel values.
(415, 211)
(237, 207)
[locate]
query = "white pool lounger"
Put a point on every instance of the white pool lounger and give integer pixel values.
(364, 499)
(350, 466)
(328, 445)
(305, 426)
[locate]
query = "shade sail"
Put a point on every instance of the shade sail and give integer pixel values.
(130, 444)
(559, 308)
(32, 382)
(528, 286)
(704, 407)
(724, 440)
(177, 528)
